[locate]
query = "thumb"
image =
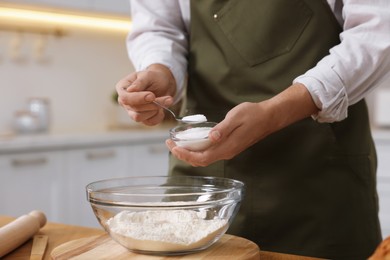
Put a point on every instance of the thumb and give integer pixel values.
(215, 135)
(221, 131)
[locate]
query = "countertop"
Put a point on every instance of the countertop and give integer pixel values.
(60, 233)
(12, 143)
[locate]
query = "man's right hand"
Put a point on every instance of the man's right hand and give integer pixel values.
(138, 90)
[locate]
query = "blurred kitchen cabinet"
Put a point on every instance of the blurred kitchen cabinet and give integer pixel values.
(148, 160)
(83, 166)
(383, 182)
(31, 181)
(50, 173)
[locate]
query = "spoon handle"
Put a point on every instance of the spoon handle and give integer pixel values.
(167, 109)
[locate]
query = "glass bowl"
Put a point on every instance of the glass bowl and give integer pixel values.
(165, 215)
(193, 137)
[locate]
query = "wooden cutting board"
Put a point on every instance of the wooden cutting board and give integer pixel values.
(103, 247)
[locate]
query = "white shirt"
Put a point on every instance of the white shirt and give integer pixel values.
(352, 69)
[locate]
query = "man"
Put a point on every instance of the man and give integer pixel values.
(264, 70)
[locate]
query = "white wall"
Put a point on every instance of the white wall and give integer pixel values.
(78, 77)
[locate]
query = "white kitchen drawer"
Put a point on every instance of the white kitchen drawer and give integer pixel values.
(384, 205)
(31, 181)
(148, 160)
(382, 143)
(83, 167)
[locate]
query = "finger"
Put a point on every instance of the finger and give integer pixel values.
(179, 152)
(165, 100)
(143, 116)
(170, 144)
(158, 118)
(149, 118)
(154, 120)
(124, 83)
(222, 130)
(215, 135)
(139, 82)
(182, 154)
(134, 99)
(195, 158)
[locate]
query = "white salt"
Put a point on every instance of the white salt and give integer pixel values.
(194, 133)
(194, 139)
(198, 118)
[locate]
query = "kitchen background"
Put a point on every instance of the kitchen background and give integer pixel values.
(76, 68)
(77, 72)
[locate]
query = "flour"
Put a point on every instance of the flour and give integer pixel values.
(168, 230)
(198, 118)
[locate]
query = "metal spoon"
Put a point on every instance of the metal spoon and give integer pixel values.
(170, 111)
(186, 119)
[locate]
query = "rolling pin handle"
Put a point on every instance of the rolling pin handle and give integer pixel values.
(20, 230)
(40, 216)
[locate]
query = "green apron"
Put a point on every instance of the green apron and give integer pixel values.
(311, 187)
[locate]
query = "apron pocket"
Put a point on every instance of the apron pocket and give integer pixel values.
(255, 34)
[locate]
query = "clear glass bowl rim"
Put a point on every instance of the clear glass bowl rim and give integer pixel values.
(96, 190)
(177, 129)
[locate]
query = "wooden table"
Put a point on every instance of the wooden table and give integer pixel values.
(60, 233)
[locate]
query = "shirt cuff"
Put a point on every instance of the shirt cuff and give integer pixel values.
(328, 93)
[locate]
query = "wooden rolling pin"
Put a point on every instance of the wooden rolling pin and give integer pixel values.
(20, 230)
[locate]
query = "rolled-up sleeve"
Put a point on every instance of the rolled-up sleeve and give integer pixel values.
(159, 36)
(357, 65)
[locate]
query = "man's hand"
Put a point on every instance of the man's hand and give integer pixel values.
(248, 123)
(137, 91)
